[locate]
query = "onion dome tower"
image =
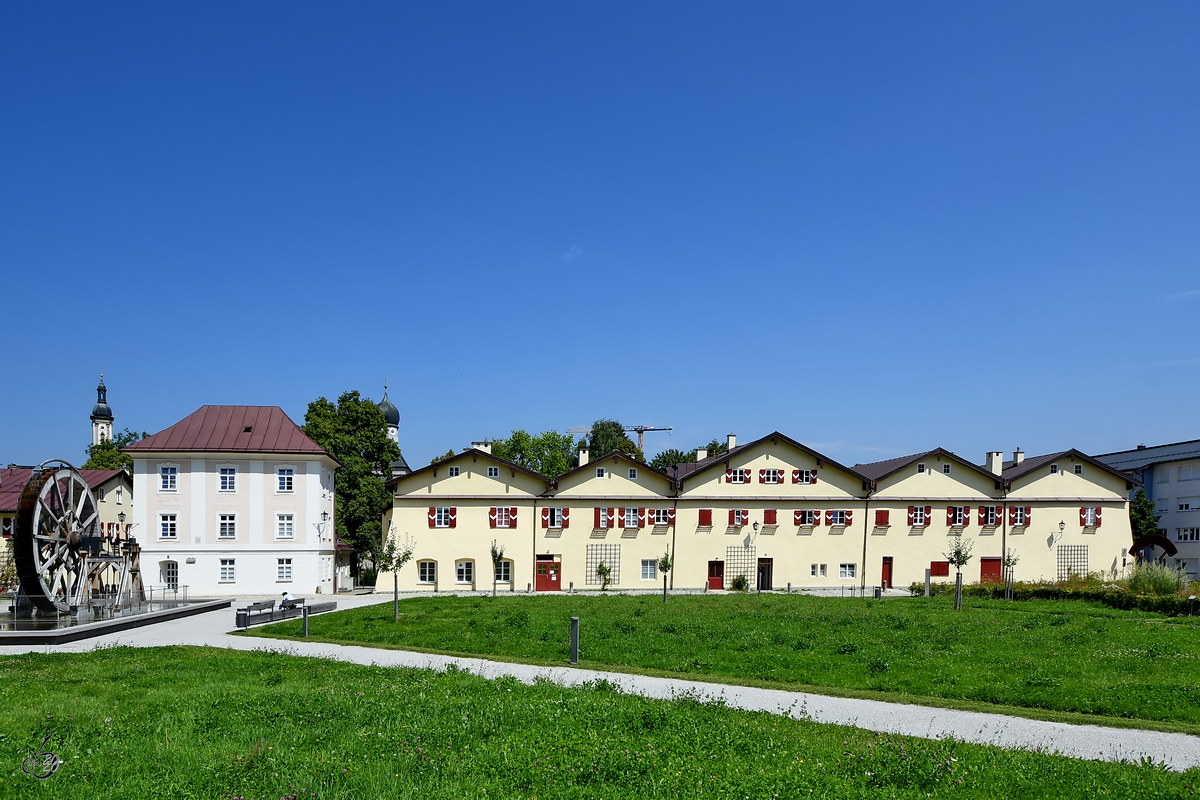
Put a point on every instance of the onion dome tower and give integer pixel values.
(102, 417)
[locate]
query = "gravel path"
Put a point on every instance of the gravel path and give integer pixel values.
(1178, 751)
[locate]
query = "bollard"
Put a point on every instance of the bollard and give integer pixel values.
(927, 574)
(789, 587)
(528, 588)
(575, 640)
(878, 592)
(305, 612)
(571, 588)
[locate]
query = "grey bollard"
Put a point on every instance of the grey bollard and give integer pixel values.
(571, 588)
(305, 612)
(789, 587)
(927, 574)
(575, 640)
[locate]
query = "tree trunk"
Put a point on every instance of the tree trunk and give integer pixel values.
(395, 595)
(664, 587)
(958, 592)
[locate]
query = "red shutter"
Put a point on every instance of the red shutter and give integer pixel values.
(706, 516)
(1028, 516)
(729, 476)
(762, 476)
(641, 517)
(545, 517)
(612, 518)
(596, 518)
(828, 516)
(769, 517)
(670, 516)
(745, 516)
(797, 517)
(912, 513)
(881, 517)
(795, 476)
(491, 517)
(512, 523)
(566, 518)
(849, 518)
(966, 516)
(432, 517)
(949, 515)
(1083, 515)
(620, 518)
(453, 517)
(1098, 510)
(928, 515)
(732, 516)
(983, 515)
(813, 477)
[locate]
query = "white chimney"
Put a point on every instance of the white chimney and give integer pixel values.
(484, 446)
(1018, 456)
(701, 454)
(731, 441)
(583, 456)
(995, 462)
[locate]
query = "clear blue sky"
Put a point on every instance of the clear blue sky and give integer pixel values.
(876, 227)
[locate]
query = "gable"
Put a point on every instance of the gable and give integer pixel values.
(775, 452)
(470, 473)
(616, 481)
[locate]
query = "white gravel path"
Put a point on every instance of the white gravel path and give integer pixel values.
(1178, 751)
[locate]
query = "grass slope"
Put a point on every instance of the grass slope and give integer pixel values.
(199, 722)
(1064, 658)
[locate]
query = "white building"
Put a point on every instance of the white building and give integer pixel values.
(235, 500)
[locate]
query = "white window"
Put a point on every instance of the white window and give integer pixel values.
(284, 569)
(1187, 534)
(167, 476)
(426, 571)
(808, 476)
(605, 522)
(1189, 473)
(119, 495)
(919, 516)
(823, 571)
(504, 517)
(228, 479)
(442, 517)
(284, 526)
(957, 516)
(773, 476)
(814, 570)
(1090, 518)
(600, 472)
(1189, 503)
(739, 518)
(991, 516)
(1079, 469)
(503, 571)
(555, 518)
(808, 516)
(167, 529)
(100, 494)
(945, 469)
(493, 472)
(920, 470)
(662, 516)
(847, 570)
(228, 526)
(649, 569)
(1053, 469)
(170, 573)
(838, 517)
(227, 573)
(737, 476)
(633, 473)
(1019, 517)
(464, 571)
(631, 518)
(1162, 475)
(453, 472)
(285, 476)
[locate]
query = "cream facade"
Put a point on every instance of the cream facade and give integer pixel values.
(773, 512)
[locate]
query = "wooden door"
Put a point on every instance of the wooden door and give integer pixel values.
(716, 575)
(989, 570)
(547, 575)
(765, 568)
(885, 576)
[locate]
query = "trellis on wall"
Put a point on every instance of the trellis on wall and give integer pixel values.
(741, 560)
(610, 554)
(1072, 560)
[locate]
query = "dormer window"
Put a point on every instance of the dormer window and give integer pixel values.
(632, 474)
(600, 472)
(493, 472)
(920, 469)
(945, 469)
(1079, 469)
(1054, 469)
(453, 472)
(248, 429)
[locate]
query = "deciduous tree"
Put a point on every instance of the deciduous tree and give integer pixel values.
(549, 453)
(664, 461)
(608, 436)
(1142, 519)
(108, 455)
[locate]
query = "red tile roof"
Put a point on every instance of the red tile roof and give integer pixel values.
(12, 483)
(97, 477)
(231, 429)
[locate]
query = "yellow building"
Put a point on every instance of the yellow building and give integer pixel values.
(772, 511)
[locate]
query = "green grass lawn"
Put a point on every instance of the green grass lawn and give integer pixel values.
(209, 723)
(1051, 659)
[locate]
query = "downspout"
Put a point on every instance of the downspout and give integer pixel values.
(533, 564)
(1004, 487)
(674, 527)
(866, 512)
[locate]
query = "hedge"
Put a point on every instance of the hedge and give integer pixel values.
(1171, 605)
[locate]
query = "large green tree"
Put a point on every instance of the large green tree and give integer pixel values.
(108, 455)
(355, 433)
(664, 461)
(608, 436)
(549, 453)
(1142, 519)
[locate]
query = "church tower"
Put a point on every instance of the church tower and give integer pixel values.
(391, 416)
(102, 418)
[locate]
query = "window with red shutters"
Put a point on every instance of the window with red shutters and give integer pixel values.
(432, 516)
(939, 569)
(545, 517)
(737, 476)
(805, 476)
(706, 516)
(881, 517)
(769, 517)
(566, 518)
(770, 476)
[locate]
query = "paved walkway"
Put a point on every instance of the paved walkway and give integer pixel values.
(1179, 751)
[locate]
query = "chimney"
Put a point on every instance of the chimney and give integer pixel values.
(995, 462)
(731, 441)
(1141, 447)
(583, 456)
(484, 446)
(1018, 456)
(701, 454)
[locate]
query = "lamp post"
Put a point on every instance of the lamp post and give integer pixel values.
(757, 582)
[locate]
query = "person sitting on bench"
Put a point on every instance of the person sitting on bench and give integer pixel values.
(288, 601)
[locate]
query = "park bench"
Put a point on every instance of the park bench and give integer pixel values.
(265, 611)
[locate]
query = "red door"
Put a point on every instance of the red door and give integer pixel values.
(716, 574)
(547, 576)
(989, 570)
(886, 575)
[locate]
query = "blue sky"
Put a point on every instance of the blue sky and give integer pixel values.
(876, 227)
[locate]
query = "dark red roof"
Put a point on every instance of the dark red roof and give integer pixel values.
(231, 429)
(12, 483)
(98, 477)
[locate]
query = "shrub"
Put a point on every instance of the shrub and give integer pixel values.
(1155, 578)
(740, 583)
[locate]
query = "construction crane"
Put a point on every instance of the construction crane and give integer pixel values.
(641, 432)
